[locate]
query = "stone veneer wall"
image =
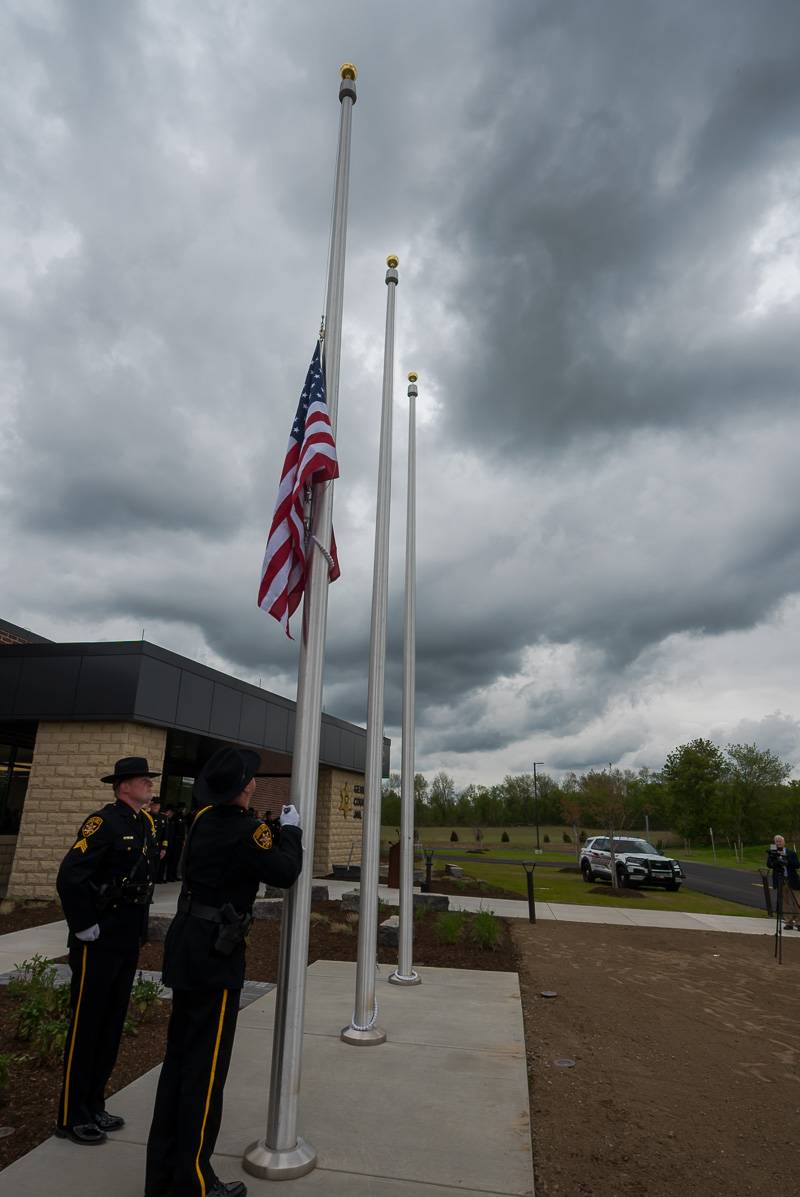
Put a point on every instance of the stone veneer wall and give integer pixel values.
(340, 798)
(7, 845)
(64, 787)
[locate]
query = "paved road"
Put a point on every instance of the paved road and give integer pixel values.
(719, 882)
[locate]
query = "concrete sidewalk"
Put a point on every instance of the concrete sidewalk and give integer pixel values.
(441, 1108)
(51, 939)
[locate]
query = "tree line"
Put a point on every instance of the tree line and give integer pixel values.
(741, 791)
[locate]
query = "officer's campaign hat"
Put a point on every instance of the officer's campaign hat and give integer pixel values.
(128, 767)
(225, 774)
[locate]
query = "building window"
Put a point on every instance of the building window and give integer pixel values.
(15, 768)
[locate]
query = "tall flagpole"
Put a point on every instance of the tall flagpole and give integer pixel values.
(404, 974)
(281, 1154)
(362, 1030)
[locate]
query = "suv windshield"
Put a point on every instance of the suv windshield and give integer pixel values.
(635, 846)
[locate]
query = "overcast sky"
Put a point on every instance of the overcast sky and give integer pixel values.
(596, 211)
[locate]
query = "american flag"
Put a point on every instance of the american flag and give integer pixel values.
(310, 457)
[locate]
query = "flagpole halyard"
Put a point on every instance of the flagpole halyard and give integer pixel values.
(282, 1154)
(363, 1030)
(404, 974)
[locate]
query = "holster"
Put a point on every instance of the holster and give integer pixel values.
(232, 931)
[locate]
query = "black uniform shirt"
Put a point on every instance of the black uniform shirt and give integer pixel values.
(228, 855)
(115, 847)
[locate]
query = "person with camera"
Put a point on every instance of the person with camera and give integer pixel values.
(785, 867)
(228, 854)
(105, 884)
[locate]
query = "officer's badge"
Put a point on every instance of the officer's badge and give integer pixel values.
(263, 836)
(91, 825)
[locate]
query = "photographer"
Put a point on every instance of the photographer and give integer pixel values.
(785, 867)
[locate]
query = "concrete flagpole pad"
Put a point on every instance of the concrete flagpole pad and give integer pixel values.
(443, 1107)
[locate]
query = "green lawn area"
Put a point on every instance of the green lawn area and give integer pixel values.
(551, 885)
(755, 856)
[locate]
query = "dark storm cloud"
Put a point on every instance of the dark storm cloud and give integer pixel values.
(578, 194)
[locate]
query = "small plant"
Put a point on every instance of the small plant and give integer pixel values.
(505, 838)
(485, 931)
(567, 838)
(448, 926)
(351, 916)
(318, 919)
(44, 1008)
(5, 1071)
(453, 837)
(342, 928)
(144, 997)
(546, 838)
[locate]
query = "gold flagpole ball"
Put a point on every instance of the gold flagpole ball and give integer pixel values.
(413, 376)
(348, 71)
(392, 261)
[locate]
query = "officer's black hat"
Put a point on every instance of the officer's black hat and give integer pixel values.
(225, 774)
(128, 767)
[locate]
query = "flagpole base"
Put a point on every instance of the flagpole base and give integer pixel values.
(271, 1164)
(370, 1038)
(397, 978)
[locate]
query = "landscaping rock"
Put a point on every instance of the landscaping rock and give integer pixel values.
(389, 932)
(453, 870)
(351, 900)
(268, 908)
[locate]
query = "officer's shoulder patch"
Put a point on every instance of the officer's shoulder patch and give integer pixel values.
(263, 836)
(91, 825)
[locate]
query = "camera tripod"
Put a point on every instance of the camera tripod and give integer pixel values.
(779, 918)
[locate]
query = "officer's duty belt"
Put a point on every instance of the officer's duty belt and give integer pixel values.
(211, 914)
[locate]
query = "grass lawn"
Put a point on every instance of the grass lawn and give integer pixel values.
(551, 885)
(755, 856)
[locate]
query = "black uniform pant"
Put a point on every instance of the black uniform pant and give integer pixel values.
(188, 1108)
(100, 992)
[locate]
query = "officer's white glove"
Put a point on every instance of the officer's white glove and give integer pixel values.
(290, 817)
(89, 934)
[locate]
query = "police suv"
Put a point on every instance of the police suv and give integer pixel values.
(636, 861)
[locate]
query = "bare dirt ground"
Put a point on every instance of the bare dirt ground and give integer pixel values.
(686, 1047)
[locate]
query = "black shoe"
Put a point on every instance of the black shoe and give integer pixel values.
(233, 1188)
(88, 1135)
(109, 1122)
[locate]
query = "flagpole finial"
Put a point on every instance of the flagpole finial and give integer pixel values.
(393, 261)
(348, 71)
(413, 376)
(391, 273)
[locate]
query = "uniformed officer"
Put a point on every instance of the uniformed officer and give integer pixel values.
(227, 856)
(162, 835)
(105, 886)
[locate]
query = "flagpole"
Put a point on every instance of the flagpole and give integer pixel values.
(404, 974)
(281, 1154)
(362, 1030)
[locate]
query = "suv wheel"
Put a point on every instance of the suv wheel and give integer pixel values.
(588, 875)
(673, 886)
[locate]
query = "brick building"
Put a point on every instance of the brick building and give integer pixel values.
(68, 711)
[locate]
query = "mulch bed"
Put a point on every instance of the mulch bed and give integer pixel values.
(31, 1099)
(338, 940)
(30, 914)
(467, 887)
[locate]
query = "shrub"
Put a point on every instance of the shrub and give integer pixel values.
(567, 838)
(5, 1073)
(453, 837)
(546, 838)
(485, 931)
(144, 997)
(505, 838)
(448, 926)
